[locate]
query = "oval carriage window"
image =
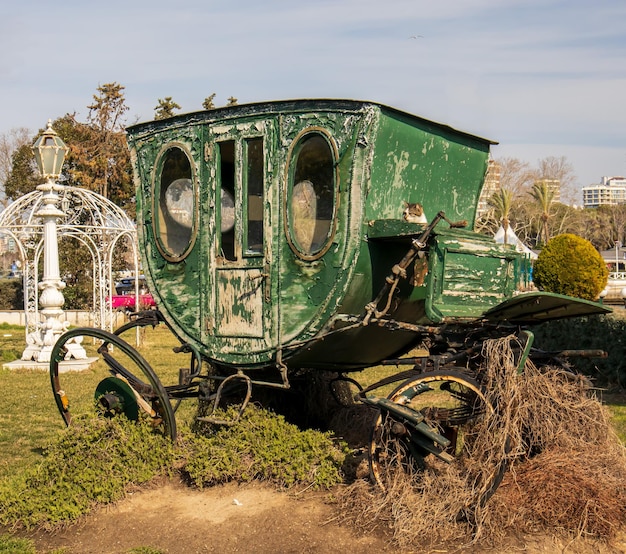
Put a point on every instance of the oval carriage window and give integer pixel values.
(176, 205)
(312, 199)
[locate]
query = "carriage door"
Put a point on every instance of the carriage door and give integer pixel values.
(241, 316)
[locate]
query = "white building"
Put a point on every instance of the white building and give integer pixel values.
(610, 192)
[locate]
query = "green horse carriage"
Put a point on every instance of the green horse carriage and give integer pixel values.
(320, 236)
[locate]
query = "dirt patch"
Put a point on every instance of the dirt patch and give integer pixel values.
(228, 518)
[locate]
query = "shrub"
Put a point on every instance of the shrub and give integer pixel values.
(570, 265)
(12, 545)
(596, 332)
(11, 294)
(92, 462)
(263, 446)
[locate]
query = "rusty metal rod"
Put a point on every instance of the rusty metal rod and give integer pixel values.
(570, 354)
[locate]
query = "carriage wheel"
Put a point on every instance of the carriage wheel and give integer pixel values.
(453, 406)
(120, 382)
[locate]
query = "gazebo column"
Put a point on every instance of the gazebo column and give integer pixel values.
(50, 152)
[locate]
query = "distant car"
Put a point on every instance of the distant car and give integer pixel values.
(124, 300)
(127, 285)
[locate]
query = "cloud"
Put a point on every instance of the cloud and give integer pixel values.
(524, 72)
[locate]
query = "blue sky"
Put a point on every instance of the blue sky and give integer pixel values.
(542, 77)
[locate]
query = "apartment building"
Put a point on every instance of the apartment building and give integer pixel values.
(610, 192)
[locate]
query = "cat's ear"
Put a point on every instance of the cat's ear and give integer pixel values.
(406, 204)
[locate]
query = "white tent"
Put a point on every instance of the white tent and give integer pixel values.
(511, 238)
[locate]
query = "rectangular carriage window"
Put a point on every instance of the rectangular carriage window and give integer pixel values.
(227, 203)
(255, 182)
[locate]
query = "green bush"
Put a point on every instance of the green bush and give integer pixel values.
(570, 265)
(13, 545)
(92, 462)
(11, 294)
(263, 446)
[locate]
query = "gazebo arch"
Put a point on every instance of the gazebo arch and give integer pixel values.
(90, 218)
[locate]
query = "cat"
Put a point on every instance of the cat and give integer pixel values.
(414, 213)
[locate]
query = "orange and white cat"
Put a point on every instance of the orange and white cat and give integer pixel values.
(414, 213)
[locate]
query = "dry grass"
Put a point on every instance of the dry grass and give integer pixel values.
(567, 469)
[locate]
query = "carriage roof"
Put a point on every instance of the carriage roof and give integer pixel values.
(295, 105)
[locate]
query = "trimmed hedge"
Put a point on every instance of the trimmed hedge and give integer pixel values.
(596, 332)
(570, 265)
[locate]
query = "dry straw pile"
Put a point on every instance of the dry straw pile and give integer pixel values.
(566, 469)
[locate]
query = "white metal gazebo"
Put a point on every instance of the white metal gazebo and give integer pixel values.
(90, 218)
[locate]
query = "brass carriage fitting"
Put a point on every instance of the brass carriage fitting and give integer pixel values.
(64, 400)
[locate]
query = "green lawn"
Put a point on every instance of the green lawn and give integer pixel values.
(29, 418)
(617, 406)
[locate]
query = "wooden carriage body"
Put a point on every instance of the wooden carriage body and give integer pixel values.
(267, 228)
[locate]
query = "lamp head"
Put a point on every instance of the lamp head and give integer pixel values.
(50, 153)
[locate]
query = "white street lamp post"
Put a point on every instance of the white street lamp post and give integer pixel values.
(50, 152)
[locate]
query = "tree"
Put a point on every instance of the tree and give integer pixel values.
(107, 111)
(208, 103)
(98, 159)
(567, 219)
(605, 225)
(165, 108)
(557, 169)
(543, 194)
(24, 176)
(10, 143)
(515, 175)
(501, 201)
(535, 221)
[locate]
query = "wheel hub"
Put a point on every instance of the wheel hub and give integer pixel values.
(113, 396)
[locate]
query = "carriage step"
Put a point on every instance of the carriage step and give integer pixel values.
(219, 421)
